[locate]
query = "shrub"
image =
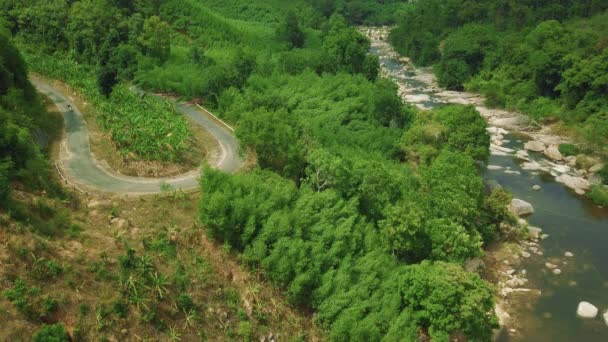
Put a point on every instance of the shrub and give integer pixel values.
(604, 173)
(51, 333)
(599, 195)
(568, 149)
(184, 302)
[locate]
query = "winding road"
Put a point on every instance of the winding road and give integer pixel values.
(78, 166)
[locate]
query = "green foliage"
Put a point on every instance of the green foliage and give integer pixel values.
(155, 39)
(146, 126)
(106, 81)
(494, 212)
(346, 47)
(276, 138)
(22, 297)
(290, 32)
(458, 128)
(599, 195)
(604, 174)
(24, 128)
(463, 54)
(568, 150)
(51, 333)
(545, 59)
(446, 299)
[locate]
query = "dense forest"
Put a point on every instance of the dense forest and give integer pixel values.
(361, 208)
(547, 59)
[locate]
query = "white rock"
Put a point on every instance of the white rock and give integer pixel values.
(553, 152)
(573, 182)
(525, 254)
(494, 167)
(535, 146)
(605, 316)
(586, 310)
(561, 168)
(498, 153)
(557, 271)
(536, 187)
(501, 149)
(534, 232)
(521, 208)
(511, 172)
(568, 255)
(522, 222)
(550, 265)
(533, 166)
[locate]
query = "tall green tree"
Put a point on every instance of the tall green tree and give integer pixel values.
(290, 32)
(155, 38)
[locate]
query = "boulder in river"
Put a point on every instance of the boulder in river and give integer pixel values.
(586, 310)
(532, 166)
(552, 152)
(536, 187)
(494, 167)
(520, 207)
(605, 317)
(534, 232)
(575, 183)
(561, 168)
(535, 146)
(568, 255)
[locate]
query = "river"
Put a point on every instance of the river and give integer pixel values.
(573, 224)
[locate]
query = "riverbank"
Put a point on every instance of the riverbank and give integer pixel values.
(579, 173)
(542, 271)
